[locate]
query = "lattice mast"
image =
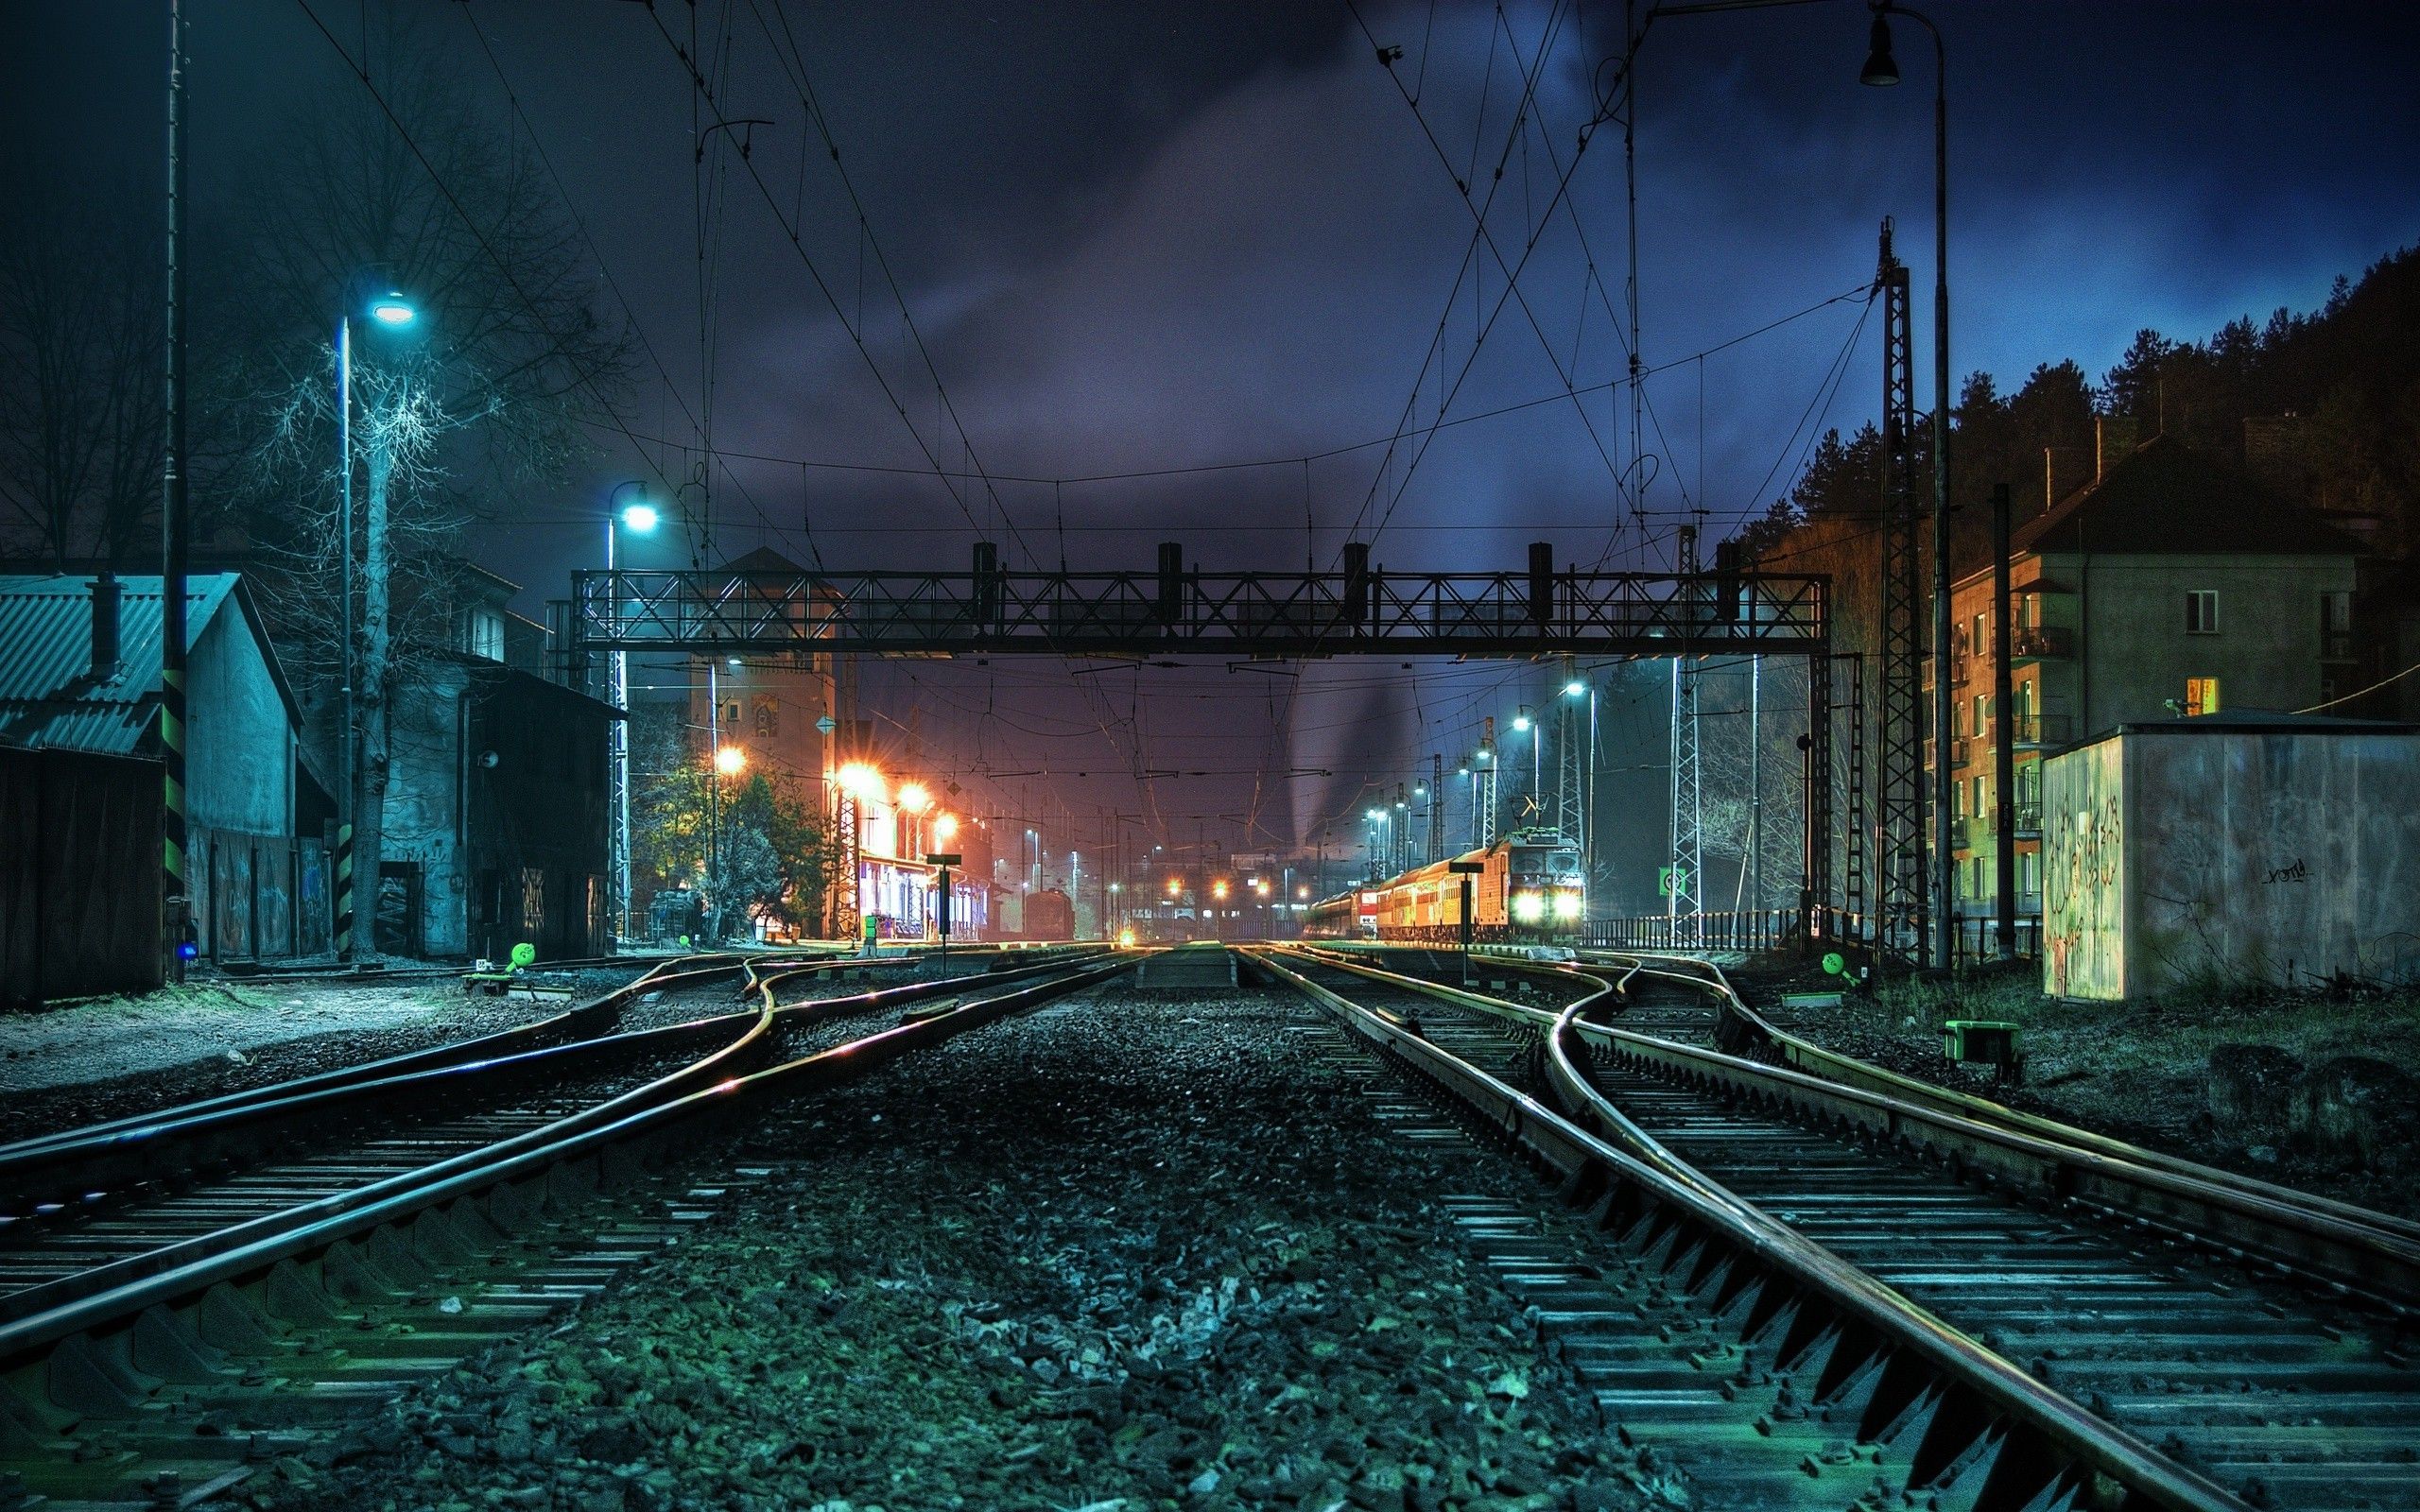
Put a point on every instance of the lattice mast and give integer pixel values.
(1899, 791)
(1436, 805)
(1570, 776)
(1682, 891)
(1484, 788)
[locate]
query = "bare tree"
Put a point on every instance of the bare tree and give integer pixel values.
(454, 416)
(80, 370)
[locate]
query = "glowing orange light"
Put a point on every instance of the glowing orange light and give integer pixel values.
(730, 760)
(859, 781)
(945, 827)
(913, 799)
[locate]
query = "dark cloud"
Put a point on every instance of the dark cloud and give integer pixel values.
(1145, 235)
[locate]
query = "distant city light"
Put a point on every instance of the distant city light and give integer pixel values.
(1302, 892)
(730, 760)
(1219, 888)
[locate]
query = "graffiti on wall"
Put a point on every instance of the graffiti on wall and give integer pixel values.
(2083, 874)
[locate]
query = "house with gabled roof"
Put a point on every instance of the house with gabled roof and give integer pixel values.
(79, 671)
(2175, 584)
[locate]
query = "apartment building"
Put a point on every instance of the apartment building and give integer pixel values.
(2174, 585)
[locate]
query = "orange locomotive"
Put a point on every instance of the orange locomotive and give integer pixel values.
(1529, 887)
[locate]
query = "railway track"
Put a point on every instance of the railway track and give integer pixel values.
(158, 1337)
(1908, 1299)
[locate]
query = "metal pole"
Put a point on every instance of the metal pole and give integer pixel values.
(1943, 863)
(1756, 786)
(2003, 733)
(344, 646)
(176, 894)
(618, 764)
(714, 806)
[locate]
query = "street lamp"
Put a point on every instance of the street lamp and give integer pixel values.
(639, 518)
(393, 311)
(730, 761)
(1881, 70)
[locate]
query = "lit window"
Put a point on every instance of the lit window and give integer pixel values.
(2201, 611)
(2201, 696)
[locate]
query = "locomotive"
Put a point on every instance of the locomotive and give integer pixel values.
(1529, 887)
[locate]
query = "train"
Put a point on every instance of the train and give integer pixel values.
(1529, 887)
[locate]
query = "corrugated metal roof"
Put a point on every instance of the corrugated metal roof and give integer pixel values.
(48, 697)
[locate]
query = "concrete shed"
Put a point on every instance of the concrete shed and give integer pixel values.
(2276, 848)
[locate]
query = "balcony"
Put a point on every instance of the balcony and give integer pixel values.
(2028, 819)
(2038, 642)
(2035, 731)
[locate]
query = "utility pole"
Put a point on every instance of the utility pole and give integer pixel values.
(1435, 804)
(175, 533)
(1904, 896)
(1683, 900)
(2003, 737)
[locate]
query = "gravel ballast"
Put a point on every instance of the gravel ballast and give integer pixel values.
(125, 1056)
(1139, 1250)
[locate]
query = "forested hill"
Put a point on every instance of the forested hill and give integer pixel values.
(2326, 406)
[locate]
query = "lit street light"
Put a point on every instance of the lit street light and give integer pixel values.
(393, 311)
(730, 761)
(638, 517)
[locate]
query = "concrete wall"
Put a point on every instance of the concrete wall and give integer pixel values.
(2283, 856)
(239, 760)
(424, 801)
(2084, 875)
(2128, 615)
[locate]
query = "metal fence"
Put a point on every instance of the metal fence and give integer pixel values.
(79, 874)
(1755, 929)
(1974, 941)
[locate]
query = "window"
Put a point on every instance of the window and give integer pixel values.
(1983, 715)
(483, 634)
(2029, 872)
(2336, 625)
(2201, 696)
(1982, 808)
(2201, 611)
(1981, 645)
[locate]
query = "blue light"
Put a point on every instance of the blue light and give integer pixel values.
(392, 310)
(187, 950)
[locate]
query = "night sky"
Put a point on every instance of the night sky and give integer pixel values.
(1142, 237)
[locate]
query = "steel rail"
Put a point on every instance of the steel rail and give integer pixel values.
(136, 1155)
(1825, 1286)
(710, 1085)
(2289, 1230)
(581, 1020)
(1752, 1028)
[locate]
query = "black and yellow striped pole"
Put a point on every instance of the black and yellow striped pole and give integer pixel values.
(176, 896)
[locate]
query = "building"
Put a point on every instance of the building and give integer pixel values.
(497, 810)
(79, 670)
(496, 816)
(2230, 849)
(2174, 583)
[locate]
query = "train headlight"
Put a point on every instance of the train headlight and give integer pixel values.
(1567, 905)
(1529, 907)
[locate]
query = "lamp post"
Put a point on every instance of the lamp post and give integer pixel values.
(640, 519)
(1882, 71)
(393, 311)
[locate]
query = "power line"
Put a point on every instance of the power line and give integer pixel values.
(479, 233)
